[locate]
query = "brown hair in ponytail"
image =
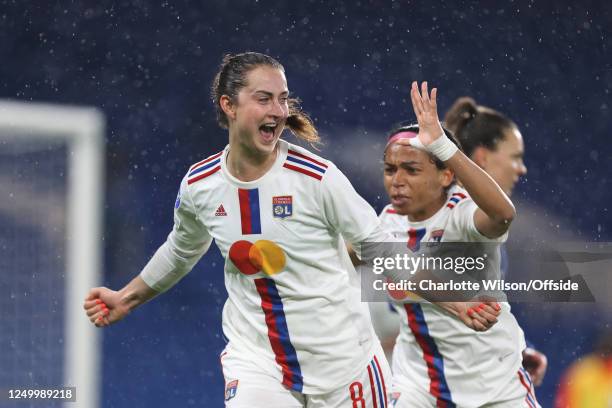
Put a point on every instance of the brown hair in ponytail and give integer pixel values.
(232, 77)
(300, 123)
(476, 125)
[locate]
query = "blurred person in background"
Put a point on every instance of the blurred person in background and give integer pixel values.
(587, 383)
(494, 142)
(436, 361)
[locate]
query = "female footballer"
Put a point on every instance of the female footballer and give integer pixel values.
(436, 362)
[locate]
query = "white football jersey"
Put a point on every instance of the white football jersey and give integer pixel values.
(291, 308)
(436, 351)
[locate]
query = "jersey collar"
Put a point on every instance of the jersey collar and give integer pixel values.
(280, 159)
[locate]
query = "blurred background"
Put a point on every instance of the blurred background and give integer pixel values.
(148, 67)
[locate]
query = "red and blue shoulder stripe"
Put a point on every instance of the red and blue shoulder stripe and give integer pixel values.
(454, 200)
(305, 164)
(204, 168)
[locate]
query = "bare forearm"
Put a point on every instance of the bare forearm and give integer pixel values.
(485, 192)
(105, 306)
(136, 293)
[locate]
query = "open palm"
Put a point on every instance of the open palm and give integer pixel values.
(426, 111)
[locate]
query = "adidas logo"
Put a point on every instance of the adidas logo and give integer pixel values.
(220, 212)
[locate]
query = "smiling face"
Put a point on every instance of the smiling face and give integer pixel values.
(416, 187)
(258, 114)
(505, 163)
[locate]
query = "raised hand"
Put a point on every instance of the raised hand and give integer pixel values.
(426, 111)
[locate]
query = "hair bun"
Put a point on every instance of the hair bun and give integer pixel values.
(460, 114)
(476, 125)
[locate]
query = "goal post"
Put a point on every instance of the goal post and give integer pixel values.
(81, 131)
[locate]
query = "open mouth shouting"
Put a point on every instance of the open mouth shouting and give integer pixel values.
(267, 132)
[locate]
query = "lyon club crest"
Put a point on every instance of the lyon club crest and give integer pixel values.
(282, 206)
(231, 389)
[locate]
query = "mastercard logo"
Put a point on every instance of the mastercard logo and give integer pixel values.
(402, 295)
(262, 256)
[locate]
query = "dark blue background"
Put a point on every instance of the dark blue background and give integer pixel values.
(149, 65)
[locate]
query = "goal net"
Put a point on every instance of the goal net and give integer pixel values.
(51, 186)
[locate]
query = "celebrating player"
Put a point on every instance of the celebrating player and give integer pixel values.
(495, 143)
(436, 361)
(298, 334)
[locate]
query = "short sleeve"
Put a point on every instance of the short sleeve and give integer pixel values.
(463, 215)
(345, 210)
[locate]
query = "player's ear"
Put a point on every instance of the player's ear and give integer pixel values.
(228, 107)
(446, 177)
(480, 156)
